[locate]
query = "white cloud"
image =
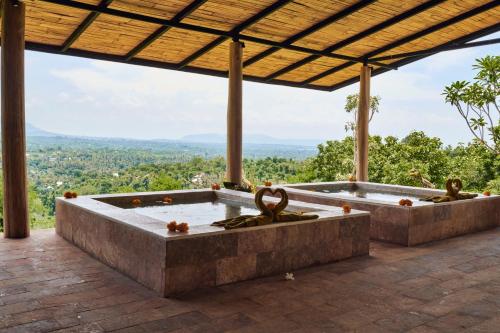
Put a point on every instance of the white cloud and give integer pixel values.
(110, 99)
(446, 61)
(403, 86)
(135, 86)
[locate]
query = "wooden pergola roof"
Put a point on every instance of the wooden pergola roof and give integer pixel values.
(316, 44)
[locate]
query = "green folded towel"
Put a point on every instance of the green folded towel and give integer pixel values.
(453, 187)
(276, 214)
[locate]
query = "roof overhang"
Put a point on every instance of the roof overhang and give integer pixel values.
(316, 44)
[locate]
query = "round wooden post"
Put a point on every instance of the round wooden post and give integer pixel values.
(15, 198)
(362, 124)
(234, 114)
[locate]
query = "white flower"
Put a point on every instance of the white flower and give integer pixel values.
(289, 277)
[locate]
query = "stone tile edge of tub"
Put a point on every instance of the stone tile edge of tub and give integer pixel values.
(113, 213)
(383, 203)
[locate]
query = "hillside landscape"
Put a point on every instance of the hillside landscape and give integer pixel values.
(58, 163)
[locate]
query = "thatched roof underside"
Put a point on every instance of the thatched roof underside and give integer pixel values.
(194, 35)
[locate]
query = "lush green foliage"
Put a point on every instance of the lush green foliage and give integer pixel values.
(40, 216)
(87, 169)
(59, 165)
(391, 161)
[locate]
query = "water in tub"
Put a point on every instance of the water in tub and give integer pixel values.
(392, 197)
(200, 213)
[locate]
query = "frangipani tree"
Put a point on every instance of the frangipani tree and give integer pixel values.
(351, 106)
(478, 102)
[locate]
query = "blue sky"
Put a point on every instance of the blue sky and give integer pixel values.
(86, 97)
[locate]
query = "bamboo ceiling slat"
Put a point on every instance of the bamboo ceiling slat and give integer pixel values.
(113, 35)
(251, 49)
(314, 67)
(157, 8)
(109, 34)
(345, 74)
(175, 45)
(50, 24)
(226, 14)
(218, 58)
(295, 17)
(409, 26)
(452, 32)
(354, 24)
(466, 27)
(274, 62)
(90, 2)
(357, 22)
(349, 73)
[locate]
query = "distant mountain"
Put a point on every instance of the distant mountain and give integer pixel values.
(206, 138)
(250, 139)
(35, 131)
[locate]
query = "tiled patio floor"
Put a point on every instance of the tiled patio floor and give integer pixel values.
(46, 284)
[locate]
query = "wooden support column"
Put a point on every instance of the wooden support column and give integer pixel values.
(234, 114)
(362, 124)
(15, 191)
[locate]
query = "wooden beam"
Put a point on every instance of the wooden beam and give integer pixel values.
(234, 114)
(15, 190)
(362, 125)
(83, 26)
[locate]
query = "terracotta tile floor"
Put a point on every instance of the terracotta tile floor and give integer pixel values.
(46, 284)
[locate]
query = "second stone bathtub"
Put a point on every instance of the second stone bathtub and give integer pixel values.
(422, 223)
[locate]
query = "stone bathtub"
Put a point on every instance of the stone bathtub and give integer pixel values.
(135, 241)
(422, 223)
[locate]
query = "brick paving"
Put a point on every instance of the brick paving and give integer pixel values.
(47, 284)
